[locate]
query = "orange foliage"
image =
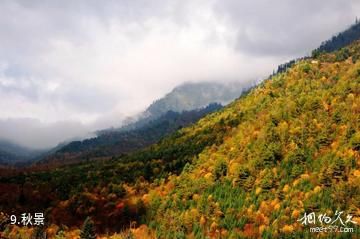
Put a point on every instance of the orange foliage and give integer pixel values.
(249, 230)
(287, 229)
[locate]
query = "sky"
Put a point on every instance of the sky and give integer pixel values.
(70, 67)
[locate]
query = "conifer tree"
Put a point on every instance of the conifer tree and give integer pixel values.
(88, 229)
(39, 233)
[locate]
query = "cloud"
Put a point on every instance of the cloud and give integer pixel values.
(93, 63)
(289, 28)
(33, 133)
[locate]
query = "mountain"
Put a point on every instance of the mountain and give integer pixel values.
(185, 104)
(6, 158)
(111, 143)
(196, 95)
(294, 152)
(289, 146)
(13, 154)
(189, 96)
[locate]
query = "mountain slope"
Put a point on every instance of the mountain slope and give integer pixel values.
(11, 154)
(296, 150)
(7, 158)
(112, 143)
(186, 97)
(187, 102)
(189, 96)
(196, 95)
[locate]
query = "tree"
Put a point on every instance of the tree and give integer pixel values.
(244, 178)
(268, 180)
(60, 235)
(88, 229)
(39, 233)
(355, 142)
(220, 169)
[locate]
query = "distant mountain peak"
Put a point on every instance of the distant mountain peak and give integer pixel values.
(195, 95)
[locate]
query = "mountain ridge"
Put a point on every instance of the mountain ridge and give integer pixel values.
(115, 143)
(14, 154)
(185, 99)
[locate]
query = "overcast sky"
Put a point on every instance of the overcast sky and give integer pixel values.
(69, 67)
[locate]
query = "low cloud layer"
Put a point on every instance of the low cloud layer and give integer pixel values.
(70, 67)
(36, 134)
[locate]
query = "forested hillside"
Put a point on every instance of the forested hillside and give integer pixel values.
(115, 143)
(289, 146)
(13, 154)
(296, 149)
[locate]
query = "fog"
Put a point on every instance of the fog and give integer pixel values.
(68, 68)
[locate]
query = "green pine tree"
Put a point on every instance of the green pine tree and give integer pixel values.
(88, 229)
(39, 233)
(60, 235)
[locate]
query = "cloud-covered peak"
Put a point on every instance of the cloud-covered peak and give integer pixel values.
(85, 61)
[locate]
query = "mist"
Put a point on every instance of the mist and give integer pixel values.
(72, 67)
